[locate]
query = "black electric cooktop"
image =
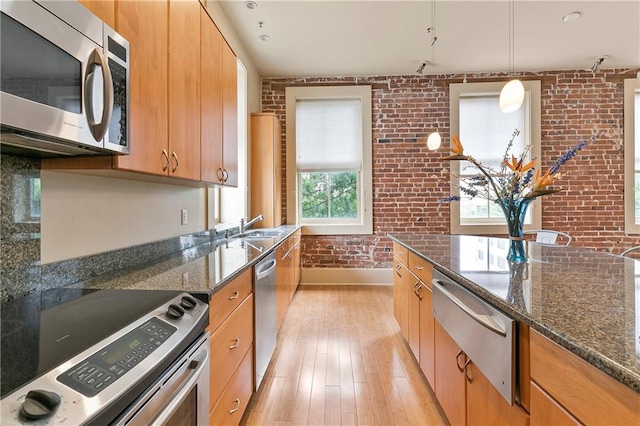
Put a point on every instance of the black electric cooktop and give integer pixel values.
(44, 329)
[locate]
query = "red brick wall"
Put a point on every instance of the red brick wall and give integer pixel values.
(408, 179)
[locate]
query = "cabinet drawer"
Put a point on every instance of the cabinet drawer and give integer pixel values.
(546, 411)
(421, 268)
(229, 344)
(228, 298)
(235, 398)
(586, 392)
(401, 253)
(284, 248)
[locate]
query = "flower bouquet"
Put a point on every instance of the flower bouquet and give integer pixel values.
(513, 186)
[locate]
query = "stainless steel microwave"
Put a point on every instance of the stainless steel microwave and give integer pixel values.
(64, 81)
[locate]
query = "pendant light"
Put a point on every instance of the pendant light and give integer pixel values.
(434, 140)
(512, 94)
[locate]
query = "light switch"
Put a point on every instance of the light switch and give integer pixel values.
(185, 216)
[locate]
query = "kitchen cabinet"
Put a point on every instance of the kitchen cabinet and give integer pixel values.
(401, 288)
(413, 307)
(581, 392)
(287, 274)
(183, 108)
(266, 169)
(465, 394)
(184, 89)
(103, 9)
(231, 370)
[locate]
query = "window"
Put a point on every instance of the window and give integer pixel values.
(632, 155)
(485, 131)
(329, 159)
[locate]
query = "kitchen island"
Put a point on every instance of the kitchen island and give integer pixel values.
(584, 301)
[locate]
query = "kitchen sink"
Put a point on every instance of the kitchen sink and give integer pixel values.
(260, 233)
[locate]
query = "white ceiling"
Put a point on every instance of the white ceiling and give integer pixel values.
(348, 38)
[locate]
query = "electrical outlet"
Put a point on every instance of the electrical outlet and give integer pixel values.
(185, 216)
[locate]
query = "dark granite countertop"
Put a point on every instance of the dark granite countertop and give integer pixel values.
(584, 300)
(200, 270)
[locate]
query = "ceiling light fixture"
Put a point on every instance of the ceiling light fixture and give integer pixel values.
(512, 94)
(572, 16)
(434, 140)
(421, 66)
(250, 4)
(265, 37)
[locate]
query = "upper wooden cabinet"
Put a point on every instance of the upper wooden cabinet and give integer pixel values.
(229, 116)
(183, 116)
(103, 9)
(184, 89)
(266, 169)
(146, 25)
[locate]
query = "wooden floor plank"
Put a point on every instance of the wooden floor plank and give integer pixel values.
(341, 360)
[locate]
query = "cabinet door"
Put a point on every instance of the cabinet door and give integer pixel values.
(486, 406)
(450, 381)
(266, 169)
(400, 296)
(283, 286)
(210, 99)
(145, 25)
(546, 411)
(184, 89)
(103, 9)
(230, 115)
(427, 335)
(413, 314)
(234, 400)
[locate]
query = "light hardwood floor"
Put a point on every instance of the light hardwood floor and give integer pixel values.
(341, 360)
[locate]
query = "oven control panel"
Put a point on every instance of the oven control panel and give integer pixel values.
(99, 370)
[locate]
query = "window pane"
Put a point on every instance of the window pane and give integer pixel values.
(315, 195)
(344, 195)
(329, 195)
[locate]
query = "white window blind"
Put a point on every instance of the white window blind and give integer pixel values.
(636, 109)
(485, 130)
(328, 134)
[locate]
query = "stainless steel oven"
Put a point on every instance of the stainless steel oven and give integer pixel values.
(64, 80)
(98, 357)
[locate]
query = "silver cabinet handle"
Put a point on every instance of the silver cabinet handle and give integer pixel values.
(165, 166)
(225, 175)
(234, 295)
(419, 290)
(419, 268)
(174, 155)
(220, 174)
(398, 268)
(485, 320)
(233, 410)
(466, 371)
(235, 345)
(458, 361)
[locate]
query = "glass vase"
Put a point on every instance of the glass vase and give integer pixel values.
(515, 211)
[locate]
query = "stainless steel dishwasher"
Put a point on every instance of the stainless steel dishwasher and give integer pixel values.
(266, 329)
(485, 334)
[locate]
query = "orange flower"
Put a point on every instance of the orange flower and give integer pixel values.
(541, 182)
(516, 165)
(457, 148)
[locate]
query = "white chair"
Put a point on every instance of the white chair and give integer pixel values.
(549, 237)
(630, 252)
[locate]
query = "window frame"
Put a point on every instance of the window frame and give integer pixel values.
(533, 94)
(631, 86)
(343, 227)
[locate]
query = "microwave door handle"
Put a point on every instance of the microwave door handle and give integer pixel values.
(97, 59)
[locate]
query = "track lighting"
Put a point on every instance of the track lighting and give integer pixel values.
(596, 65)
(421, 66)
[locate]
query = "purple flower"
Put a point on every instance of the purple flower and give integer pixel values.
(451, 198)
(571, 152)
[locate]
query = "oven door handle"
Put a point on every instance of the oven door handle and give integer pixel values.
(196, 366)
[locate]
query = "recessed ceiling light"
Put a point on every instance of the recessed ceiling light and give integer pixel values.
(250, 4)
(573, 16)
(264, 37)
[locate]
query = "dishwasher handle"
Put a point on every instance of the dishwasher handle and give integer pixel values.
(265, 269)
(484, 320)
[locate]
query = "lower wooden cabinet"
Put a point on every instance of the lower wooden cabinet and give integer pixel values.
(231, 355)
(288, 269)
(233, 401)
(450, 382)
(546, 411)
(585, 393)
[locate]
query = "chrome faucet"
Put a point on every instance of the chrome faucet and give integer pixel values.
(244, 226)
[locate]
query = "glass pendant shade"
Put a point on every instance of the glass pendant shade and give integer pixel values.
(511, 96)
(433, 141)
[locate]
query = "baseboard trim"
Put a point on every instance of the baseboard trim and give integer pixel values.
(347, 276)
